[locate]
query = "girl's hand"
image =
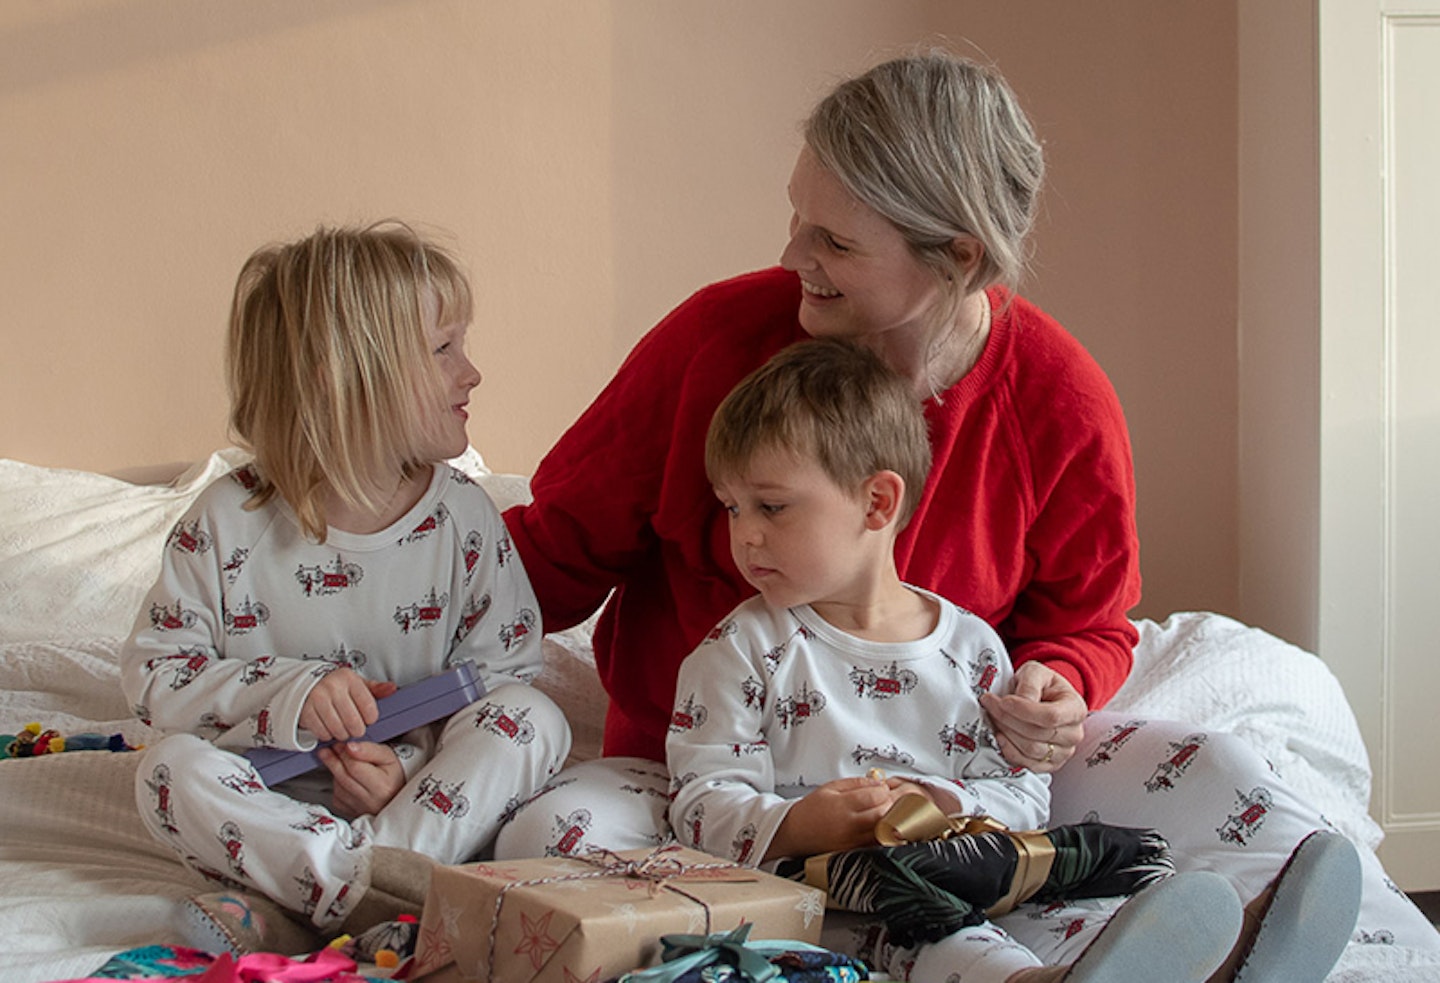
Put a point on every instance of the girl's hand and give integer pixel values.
(367, 776)
(1040, 721)
(342, 705)
(839, 815)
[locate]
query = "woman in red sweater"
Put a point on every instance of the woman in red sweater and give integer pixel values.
(912, 199)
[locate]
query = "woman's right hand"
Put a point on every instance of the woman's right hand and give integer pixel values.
(342, 704)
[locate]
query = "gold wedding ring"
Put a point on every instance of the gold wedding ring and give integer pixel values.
(1049, 753)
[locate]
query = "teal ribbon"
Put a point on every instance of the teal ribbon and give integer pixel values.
(682, 953)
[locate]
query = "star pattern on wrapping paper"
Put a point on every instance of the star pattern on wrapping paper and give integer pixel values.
(434, 947)
(810, 906)
(535, 939)
(572, 978)
(630, 913)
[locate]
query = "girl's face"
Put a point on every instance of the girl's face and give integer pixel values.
(458, 376)
(858, 274)
(796, 536)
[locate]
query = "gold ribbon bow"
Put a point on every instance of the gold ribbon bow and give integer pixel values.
(915, 819)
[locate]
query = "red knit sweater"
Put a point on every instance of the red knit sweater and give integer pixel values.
(1027, 518)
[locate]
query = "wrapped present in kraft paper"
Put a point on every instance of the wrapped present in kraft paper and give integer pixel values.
(573, 920)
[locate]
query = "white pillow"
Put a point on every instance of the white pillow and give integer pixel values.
(78, 550)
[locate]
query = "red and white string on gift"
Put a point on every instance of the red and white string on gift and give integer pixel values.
(658, 869)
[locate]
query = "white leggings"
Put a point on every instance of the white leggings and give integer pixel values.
(1210, 794)
(210, 806)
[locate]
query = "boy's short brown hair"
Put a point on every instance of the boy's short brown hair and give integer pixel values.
(834, 401)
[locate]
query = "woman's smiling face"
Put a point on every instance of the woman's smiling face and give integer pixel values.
(858, 274)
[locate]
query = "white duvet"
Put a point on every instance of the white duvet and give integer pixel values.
(81, 879)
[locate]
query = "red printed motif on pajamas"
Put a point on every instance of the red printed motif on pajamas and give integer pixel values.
(441, 798)
(794, 710)
(1107, 748)
(891, 681)
(955, 739)
(232, 566)
(1241, 826)
(426, 612)
(264, 735)
(184, 665)
(247, 477)
(723, 630)
(1182, 756)
(470, 550)
(570, 832)
(159, 785)
(171, 619)
(188, 537)
(246, 618)
(316, 823)
(435, 520)
(233, 840)
(744, 844)
(257, 669)
(243, 782)
(1069, 928)
(688, 716)
(983, 672)
(475, 609)
(310, 891)
(503, 550)
(516, 803)
(504, 722)
(516, 631)
(863, 755)
(753, 690)
(338, 907)
(748, 747)
(331, 579)
(342, 658)
(695, 824)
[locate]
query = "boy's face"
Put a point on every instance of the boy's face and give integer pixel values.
(795, 535)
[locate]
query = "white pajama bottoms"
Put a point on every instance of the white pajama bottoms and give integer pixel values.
(1210, 794)
(210, 806)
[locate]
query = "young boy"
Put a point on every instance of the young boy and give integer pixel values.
(815, 705)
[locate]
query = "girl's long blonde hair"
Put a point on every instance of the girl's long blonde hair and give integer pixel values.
(332, 384)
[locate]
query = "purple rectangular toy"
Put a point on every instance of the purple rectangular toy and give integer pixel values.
(405, 709)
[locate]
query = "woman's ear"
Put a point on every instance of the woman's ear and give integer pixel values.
(884, 491)
(968, 252)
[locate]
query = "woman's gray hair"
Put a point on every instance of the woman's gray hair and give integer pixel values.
(939, 145)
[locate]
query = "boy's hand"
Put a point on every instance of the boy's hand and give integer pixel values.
(342, 705)
(367, 776)
(839, 815)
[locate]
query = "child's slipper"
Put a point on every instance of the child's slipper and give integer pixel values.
(228, 921)
(1178, 930)
(1313, 909)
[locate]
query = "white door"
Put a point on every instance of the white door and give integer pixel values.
(1379, 631)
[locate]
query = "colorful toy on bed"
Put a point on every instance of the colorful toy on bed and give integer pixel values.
(33, 741)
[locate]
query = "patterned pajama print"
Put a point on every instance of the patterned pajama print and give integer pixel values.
(247, 616)
(1217, 801)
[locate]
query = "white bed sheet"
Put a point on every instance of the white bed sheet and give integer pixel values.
(80, 878)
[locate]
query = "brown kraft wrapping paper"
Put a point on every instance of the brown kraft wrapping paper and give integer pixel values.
(570, 920)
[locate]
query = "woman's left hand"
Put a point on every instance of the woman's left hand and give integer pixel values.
(1042, 719)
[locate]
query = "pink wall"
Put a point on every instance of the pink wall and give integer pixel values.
(595, 163)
